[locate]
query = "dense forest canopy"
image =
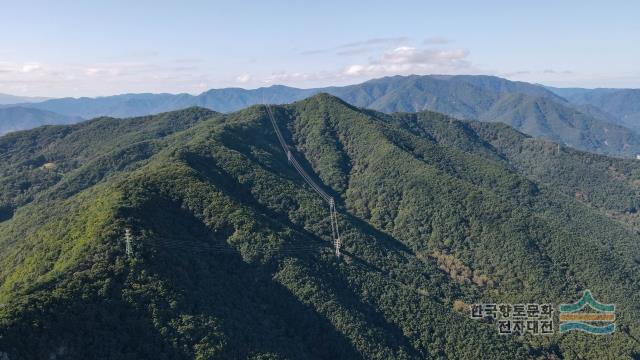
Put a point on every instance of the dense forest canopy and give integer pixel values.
(231, 254)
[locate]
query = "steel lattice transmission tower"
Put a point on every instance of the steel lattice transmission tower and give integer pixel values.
(128, 239)
(333, 213)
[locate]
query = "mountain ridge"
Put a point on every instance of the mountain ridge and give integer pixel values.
(232, 256)
(620, 104)
(461, 96)
(6, 99)
(30, 118)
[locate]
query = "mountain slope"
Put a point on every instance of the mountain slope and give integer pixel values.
(127, 105)
(22, 118)
(546, 119)
(622, 105)
(231, 252)
(611, 185)
(466, 97)
(529, 108)
(233, 99)
(486, 98)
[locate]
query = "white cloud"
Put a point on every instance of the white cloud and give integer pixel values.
(30, 67)
(92, 71)
(543, 75)
(399, 60)
(411, 55)
(553, 71)
(285, 77)
(355, 70)
(60, 79)
(515, 73)
(108, 71)
(411, 60)
(375, 41)
(360, 47)
(244, 78)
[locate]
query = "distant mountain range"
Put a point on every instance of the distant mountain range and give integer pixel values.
(30, 118)
(604, 121)
(6, 99)
(621, 105)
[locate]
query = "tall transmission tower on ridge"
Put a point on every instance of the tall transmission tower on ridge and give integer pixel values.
(337, 242)
(128, 238)
(333, 213)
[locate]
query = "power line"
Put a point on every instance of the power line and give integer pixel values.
(333, 213)
(175, 243)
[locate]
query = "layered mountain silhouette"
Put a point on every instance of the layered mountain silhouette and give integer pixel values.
(30, 118)
(619, 105)
(230, 253)
(12, 99)
(599, 123)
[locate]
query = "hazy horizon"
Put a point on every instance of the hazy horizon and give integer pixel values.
(44, 98)
(100, 49)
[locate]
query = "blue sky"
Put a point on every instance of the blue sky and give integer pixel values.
(93, 48)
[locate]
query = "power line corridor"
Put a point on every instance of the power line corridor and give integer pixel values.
(160, 241)
(333, 213)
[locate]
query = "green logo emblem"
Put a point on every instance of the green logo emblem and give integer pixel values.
(573, 318)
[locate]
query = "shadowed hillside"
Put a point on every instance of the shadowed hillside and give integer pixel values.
(231, 253)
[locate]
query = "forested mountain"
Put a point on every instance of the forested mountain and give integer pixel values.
(529, 108)
(599, 126)
(127, 105)
(19, 118)
(621, 105)
(231, 254)
(12, 99)
(28, 116)
(462, 96)
(544, 118)
(233, 99)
